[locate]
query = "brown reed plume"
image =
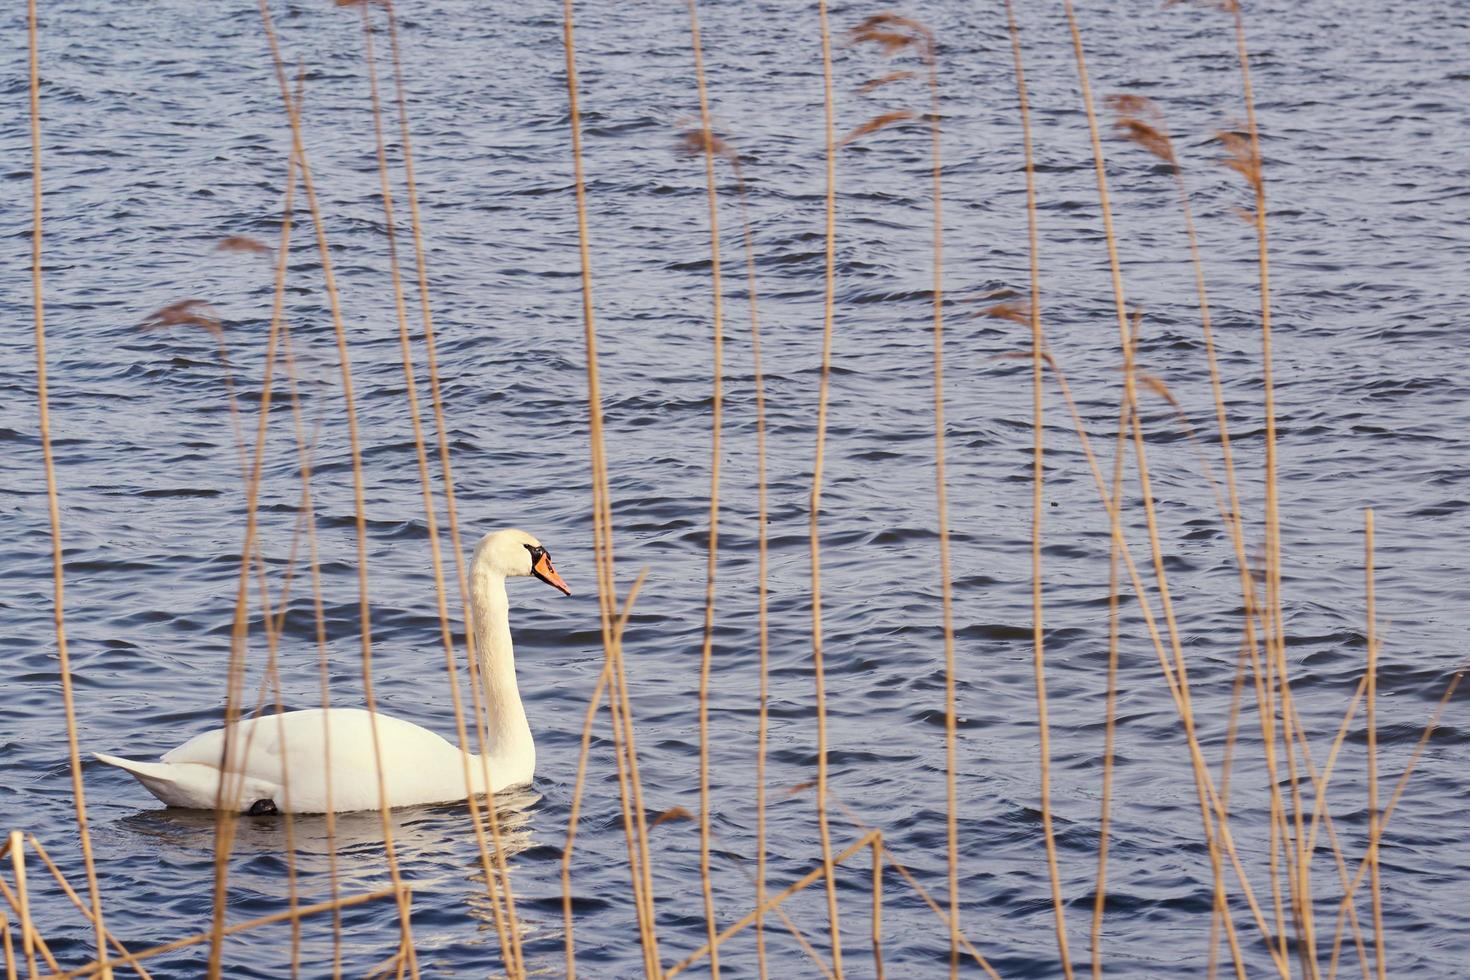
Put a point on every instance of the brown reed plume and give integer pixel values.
(243, 244)
(878, 122)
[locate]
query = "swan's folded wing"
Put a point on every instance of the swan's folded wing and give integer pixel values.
(256, 745)
(418, 765)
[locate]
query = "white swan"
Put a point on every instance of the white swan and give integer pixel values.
(418, 765)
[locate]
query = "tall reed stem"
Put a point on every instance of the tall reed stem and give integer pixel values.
(1379, 942)
(360, 521)
(829, 287)
(634, 819)
(53, 502)
(707, 647)
(497, 879)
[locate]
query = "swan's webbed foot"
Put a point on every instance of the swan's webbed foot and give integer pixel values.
(262, 808)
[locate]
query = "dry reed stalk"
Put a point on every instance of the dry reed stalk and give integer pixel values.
(272, 627)
(1249, 655)
(21, 903)
(913, 882)
(946, 584)
(53, 504)
(304, 456)
(1393, 801)
(679, 813)
(1167, 607)
(791, 927)
(624, 744)
(392, 962)
(1110, 707)
(227, 793)
(1203, 785)
(29, 933)
(705, 141)
(1319, 789)
(10, 958)
(1037, 478)
(860, 844)
(633, 816)
(504, 919)
(878, 905)
(581, 780)
(762, 610)
(435, 395)
(1319, 810)
(829, 286)
(442, 434)
(1248, 162)
(360, 520)
(573, 816)
(76, 900)
(1167, 669)
(397, 892)
(716, 419)
(1372, 723)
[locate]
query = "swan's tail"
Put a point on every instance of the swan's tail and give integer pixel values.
(142, 770)
(186, 784)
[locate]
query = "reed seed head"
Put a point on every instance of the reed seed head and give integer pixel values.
(880, 122)
(696, 141)
(893, 76)
(1018, 311)
(671, 814)
(1241, 157)
(1140, 121)
(185, 313)
(242, 243)
(892, 34)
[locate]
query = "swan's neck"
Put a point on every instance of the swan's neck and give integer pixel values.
(510, 743)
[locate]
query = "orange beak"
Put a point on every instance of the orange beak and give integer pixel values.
(543, 570)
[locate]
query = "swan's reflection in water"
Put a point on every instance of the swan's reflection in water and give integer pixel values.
(438, 858)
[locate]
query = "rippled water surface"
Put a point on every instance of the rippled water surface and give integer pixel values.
(163, 132)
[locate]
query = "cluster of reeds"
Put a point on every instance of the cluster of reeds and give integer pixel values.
(1250, 911)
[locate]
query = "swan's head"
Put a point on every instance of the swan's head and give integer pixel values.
(513, 553)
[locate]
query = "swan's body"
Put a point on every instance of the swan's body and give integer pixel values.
(328, 755)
